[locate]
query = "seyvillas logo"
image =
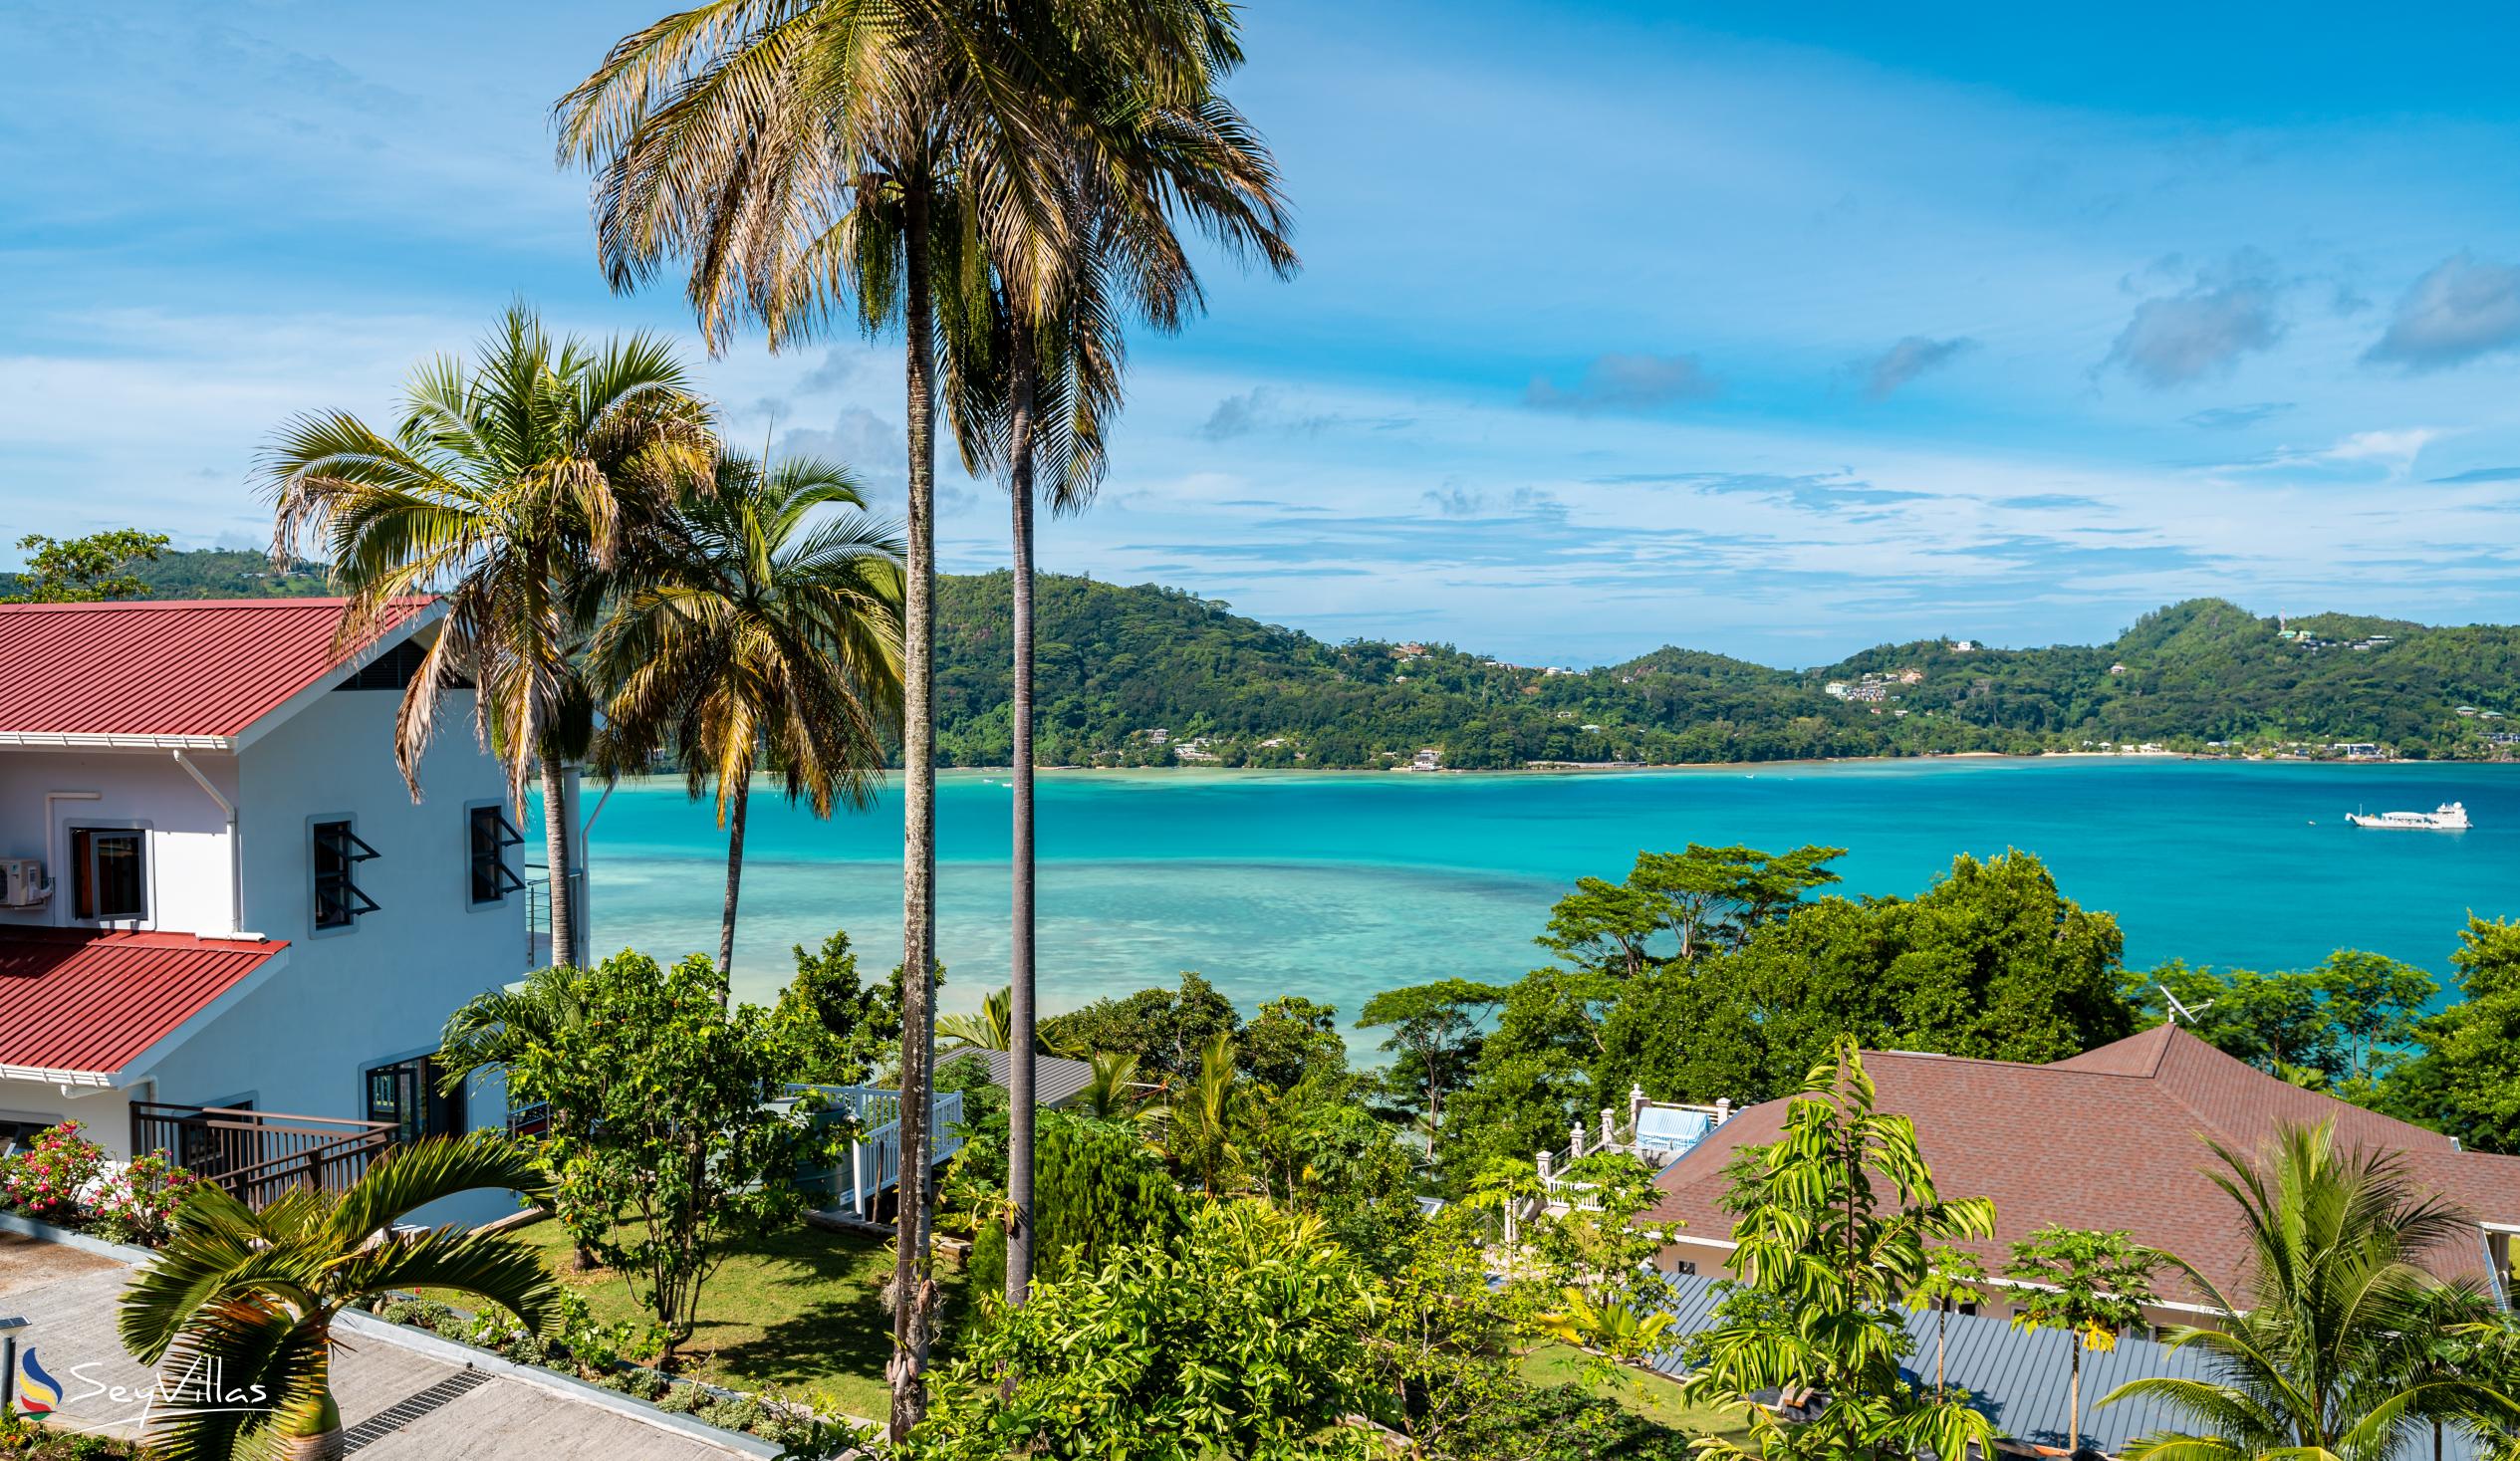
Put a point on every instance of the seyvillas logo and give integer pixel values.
(38, 1392)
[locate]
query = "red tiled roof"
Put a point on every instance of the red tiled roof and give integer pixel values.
(74, 1000)
(173, 667)
(2113, 1138)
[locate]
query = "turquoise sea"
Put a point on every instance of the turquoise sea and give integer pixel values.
(1335, 886)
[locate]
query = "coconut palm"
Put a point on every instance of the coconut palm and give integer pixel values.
(252, 1296)
(804, 158)
(757, 624)
(1200, 1124)
(1182, 153)
(508, 481)
(2310, 1361)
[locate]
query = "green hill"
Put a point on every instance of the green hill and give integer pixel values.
(1116, 664)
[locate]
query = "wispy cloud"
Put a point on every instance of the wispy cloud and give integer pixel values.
(1908, 360)
(1626, 382)
(2478, 474)
(2230, 311)
(2462, 308)
(1265, 409)
(2233, 418)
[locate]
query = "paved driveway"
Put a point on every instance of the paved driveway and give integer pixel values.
(443, 1411)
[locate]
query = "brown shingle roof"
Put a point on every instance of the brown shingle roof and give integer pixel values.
(2113, 1138)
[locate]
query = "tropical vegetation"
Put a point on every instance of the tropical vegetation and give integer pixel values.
(253, 1294)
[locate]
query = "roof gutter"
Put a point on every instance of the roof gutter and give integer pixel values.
(81, 741)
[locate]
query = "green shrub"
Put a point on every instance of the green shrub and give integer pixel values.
(1095, 1189)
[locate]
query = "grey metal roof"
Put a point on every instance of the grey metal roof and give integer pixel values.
(1056, 1079)
(2019, 1377)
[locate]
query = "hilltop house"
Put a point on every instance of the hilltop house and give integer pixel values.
(227, 928)
(2111, 1140)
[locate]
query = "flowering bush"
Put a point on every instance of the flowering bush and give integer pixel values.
(63, 1177)
(134, 1201)
(44, 1180)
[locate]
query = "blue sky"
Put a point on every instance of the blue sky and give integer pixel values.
(1774, 330)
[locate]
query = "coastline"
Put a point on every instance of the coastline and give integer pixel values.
(1978, 758)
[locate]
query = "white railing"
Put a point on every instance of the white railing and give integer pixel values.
(873, 1162)
(1558, 1193)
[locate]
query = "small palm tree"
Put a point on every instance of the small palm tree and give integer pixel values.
(493, 1029)
(1114, 1090)
(2311, 1363)
(985, 1029)
(255, 1294)
(760, 622)
(1202, 1124)
(508, 481)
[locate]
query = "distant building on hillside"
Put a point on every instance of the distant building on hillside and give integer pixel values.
(1427, 759)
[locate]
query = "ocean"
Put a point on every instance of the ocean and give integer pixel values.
(1335, 886)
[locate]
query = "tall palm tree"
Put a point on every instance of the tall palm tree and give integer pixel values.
(905, 154)
(1149, 146)
(253, 1294)
(755, 625)
(508, 481)
(801, 159)
(2311, 1361)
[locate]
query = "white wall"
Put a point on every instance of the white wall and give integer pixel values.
(186, 856)
(345, 1000)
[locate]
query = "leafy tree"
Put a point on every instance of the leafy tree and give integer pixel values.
(758, 623)
(1954, 1276)
(1603, 925)
(2467, 1080)
(1101, 1191)
(252, 1296)
(1291, 1040)
(2374, 1002)
(1724, 893)
(1837, 1219)
(2309, 1360)
(1244, 1337)
(836, 1030)
(2091, 1284)
(1435, 1029)
(677, 1154)
(1166, 1030)
(1315, 1152)
(85, 570)
(508, 484)
(2271, 1021)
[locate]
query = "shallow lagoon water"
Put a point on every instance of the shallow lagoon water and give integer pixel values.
(1335, 886)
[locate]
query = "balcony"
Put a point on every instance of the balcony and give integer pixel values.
(258, 1155)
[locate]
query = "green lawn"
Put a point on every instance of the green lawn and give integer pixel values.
(799, 1312)
(1641, 1390)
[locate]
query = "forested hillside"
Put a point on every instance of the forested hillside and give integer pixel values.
(1119, 665)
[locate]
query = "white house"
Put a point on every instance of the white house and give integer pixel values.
(227, 928)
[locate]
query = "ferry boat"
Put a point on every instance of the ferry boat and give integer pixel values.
(2448, 817)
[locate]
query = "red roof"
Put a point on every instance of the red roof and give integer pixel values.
(176, 667)
(2111, 1140)
(77, 1001)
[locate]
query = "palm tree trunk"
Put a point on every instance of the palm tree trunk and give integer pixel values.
(911, 1286)
(1019, 1014)
(734, 884)
(563, 905)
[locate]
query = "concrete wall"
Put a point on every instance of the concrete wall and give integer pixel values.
(187, 859)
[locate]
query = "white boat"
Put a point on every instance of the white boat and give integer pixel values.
(2448, 817)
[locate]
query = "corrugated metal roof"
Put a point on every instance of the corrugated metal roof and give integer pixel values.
(72, 1000)
(2018, 1378)
(1056, 1079)
(175, 668)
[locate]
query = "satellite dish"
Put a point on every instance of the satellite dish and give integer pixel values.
(2179, 1011)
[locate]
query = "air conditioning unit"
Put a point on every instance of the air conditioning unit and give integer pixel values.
(22, 884)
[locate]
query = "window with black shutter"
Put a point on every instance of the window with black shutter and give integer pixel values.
(489, 835)
(339, 903)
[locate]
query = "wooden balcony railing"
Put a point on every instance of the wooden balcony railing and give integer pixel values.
(257, 1156)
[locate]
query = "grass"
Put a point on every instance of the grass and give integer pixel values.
(1639, 1391)
(799, 1312)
